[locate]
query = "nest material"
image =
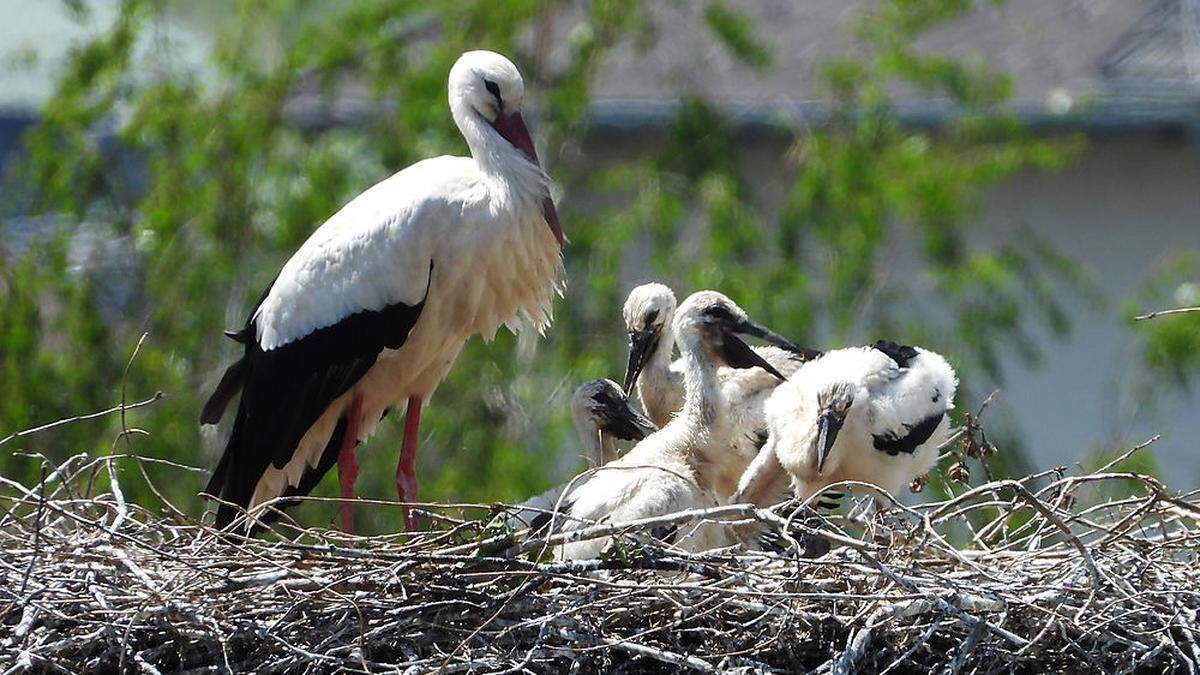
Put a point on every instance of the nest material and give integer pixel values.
(1052, 573)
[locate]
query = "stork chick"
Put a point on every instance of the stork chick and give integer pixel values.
(601, 414)
(648, 313)
(677, 467)
(873, 414)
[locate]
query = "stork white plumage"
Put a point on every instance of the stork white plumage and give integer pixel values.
(648, 313)
(872, 414)
(373, 309)
(681, 465)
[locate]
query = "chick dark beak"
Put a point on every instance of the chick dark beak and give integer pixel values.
(738, 354)
(828, 426)
(644, 425)
(627, 424)
(642, 344)
(749, 327)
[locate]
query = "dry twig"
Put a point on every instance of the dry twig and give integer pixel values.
(1061, 576)
(1166, 312)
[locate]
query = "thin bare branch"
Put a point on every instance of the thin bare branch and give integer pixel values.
(1064, 576)
(1166, 312)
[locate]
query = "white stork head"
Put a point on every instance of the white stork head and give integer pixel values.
(487, 83)
(486, 94)
(709, 323)
(806, 414)
(833, 404)
(648, 313)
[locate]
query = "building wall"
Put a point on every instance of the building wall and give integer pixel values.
(1125, 207)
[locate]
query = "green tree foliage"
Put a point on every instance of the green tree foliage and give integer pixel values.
(1170, 345)
(1167, 347)
(233, 167)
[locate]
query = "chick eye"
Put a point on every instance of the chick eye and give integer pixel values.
(718, 312)
(651, 317)
(494, 89)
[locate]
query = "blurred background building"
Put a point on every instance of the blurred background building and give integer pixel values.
(1126, 73)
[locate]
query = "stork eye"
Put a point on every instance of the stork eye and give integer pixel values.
(718, 312)
(494, 89)
(651, 317)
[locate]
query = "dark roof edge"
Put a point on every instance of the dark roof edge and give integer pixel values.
(1115, 114)
(1140, 113)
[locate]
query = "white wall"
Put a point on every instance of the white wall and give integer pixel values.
(45, 28)
(1125, 206)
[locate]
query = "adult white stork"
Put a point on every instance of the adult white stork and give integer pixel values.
(374, 307)
(680, 466)
(874, 414)
(648, 313)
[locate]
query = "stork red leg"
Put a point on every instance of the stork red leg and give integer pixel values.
(347, 464)
(406, 470)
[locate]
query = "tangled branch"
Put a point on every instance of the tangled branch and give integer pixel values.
(1050, 572)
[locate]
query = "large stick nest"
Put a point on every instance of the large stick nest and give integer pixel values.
(1049, 572)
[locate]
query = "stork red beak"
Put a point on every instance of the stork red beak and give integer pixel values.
(512, 127)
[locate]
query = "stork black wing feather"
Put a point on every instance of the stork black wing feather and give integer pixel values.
(312, 475)
(308, 480)
(235, 376)
(901, 354)
(288, 388)
(915, 435)
(231, 383)
(539, 522)
(802, 354)
(667, 534)
(759, 438)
